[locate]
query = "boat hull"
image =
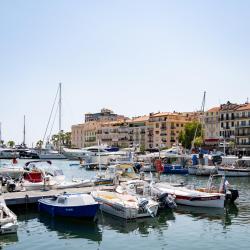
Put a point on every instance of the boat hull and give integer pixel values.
(86, 211)
(216, 201)
(170, 169)
(234, 172)
(202, 170)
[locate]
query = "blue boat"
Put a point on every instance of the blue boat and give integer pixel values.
(174, 169)
(70, 205)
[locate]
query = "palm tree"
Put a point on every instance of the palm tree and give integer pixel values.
(39, 144)
(11, 144)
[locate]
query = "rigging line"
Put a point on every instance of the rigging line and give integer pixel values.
(50, 114)
(53, 122)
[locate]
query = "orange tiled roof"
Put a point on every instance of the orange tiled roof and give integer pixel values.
(143, 118)
(244, 107)
(164, 114)
(214, 109)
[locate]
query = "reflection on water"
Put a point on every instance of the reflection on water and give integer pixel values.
(142, 225)
(8, 239)
(67, 228)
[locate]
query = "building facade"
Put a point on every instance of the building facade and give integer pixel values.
(156, 130)
(242, 129)
(212, 126)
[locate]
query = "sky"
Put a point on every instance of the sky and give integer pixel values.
(132, 56)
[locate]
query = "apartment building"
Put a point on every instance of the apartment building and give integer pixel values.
(85, 135)
(104, 115)
(212, 126)
(242, 129)
(149, 131)
(164, 128)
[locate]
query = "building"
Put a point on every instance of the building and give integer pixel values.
(152, 131)
(163, 129)
(212, 127)
(242, 129)
(104, 115)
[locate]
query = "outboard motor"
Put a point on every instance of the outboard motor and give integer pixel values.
(143, 205)
(11, 186)
(166, 200)
(232, 195)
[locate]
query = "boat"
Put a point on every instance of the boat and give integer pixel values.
(11, 170)
(203, 170)
(145, 189)
(119, 172)
(70, 205)
(54, 176)
(8, 153)
(241, 168)
(75, 154)
(175, 164)
(124, 205)
(8, 220)
(190, 197)
(231, 194)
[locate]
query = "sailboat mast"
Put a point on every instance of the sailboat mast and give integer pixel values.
(60, 114)
(0, 133)
(24, 131)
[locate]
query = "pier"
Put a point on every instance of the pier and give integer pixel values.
(31, 197)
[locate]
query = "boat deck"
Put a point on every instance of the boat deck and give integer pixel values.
(29, 197)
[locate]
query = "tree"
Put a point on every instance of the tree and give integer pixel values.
(11, 144)
(198, 141)
(65, 139)
(39, 144)
(186, 136)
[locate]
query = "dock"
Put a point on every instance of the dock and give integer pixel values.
(31, 197)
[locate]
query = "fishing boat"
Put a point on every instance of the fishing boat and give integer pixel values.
(124, 205)
(70, 205)
(8, 220)
(190, 197)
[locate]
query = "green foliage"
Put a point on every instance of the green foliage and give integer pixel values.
(65, 139)
(142, 148)
(198, 141)
(187, 135)
(11, 144)
(39, 144)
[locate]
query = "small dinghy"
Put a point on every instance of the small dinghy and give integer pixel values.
(8, 220)
(70, 205)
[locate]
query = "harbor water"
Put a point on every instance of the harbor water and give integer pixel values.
(183, 228)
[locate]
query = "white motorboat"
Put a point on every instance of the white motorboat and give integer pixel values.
(8, 220)
(124, 205)
(8, 153)
(76, 154)
(11, 170)
(189, 197)
(50, 155)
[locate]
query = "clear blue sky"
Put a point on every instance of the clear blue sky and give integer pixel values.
(133, 56)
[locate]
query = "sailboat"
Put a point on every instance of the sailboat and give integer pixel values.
(48, 153)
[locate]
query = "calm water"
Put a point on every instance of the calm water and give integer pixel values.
(184, 228)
